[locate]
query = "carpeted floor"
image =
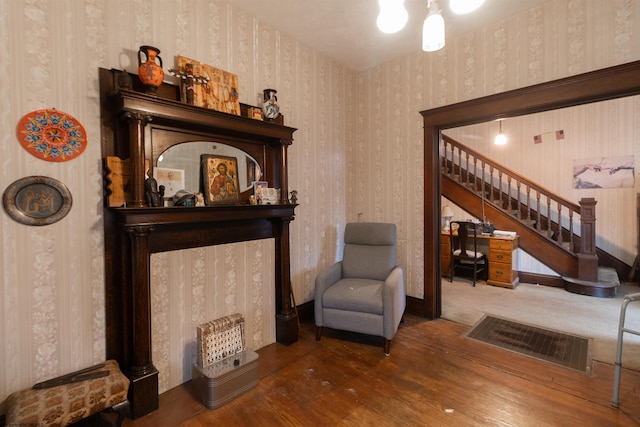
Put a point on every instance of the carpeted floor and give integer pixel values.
(552, 308)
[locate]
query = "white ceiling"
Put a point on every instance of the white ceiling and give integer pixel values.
(346, 29)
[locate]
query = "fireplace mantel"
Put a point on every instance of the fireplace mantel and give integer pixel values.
(137, 128)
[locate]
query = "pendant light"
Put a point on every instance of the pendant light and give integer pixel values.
(433, 29)
(393, 16)
(501, 138)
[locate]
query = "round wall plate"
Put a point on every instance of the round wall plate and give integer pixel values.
(37, 200)
(52, 135)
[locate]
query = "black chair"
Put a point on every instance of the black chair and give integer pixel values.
(465, 256)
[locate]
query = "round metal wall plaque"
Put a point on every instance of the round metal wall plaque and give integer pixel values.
(37, 200)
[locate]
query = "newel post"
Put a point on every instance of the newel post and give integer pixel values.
(587, 258)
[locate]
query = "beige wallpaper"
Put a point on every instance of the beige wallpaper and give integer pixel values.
(357, 155)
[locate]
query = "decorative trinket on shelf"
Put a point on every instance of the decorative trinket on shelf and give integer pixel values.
(150, 71)
(189, 80)
(270, 107)
(52, 135)
(124, 80)
(293, 199)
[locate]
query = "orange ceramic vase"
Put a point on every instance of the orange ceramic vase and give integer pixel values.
(150, 70)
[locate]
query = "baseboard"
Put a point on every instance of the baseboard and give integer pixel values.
(541, 279)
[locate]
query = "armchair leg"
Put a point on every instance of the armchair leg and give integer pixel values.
(318, 332)
(387, 347)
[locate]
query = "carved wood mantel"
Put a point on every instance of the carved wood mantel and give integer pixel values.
(138, 128)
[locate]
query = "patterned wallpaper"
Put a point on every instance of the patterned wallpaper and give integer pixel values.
(356, 156)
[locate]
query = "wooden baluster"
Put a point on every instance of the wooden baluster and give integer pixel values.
(484, 183)
(571, 239)
(528, 204)
(548, 229)
(518, 203)
(459, 164)
(539, 217)
(500, 193)
(559, 239)
(466, 166)
(492, 190)
(509, 204)
(475, 174)
(445, 170)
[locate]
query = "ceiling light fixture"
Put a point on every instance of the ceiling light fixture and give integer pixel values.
(433, 29)
(461, 7)
(501, 138)
(393, 16)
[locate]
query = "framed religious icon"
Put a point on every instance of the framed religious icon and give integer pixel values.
(211, 88)
(219, 179)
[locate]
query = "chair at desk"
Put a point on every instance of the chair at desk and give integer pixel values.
(464, 250)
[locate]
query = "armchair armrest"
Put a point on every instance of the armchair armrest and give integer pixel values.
(327, 277)
(395, 300)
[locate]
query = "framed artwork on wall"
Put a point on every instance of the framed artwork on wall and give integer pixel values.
(220, 179)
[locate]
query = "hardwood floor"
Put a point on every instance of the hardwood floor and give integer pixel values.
(434, 377)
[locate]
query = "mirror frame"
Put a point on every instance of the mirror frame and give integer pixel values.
(161, 139)
(197, 161)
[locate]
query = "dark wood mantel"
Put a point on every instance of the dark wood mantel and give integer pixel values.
(138, 128)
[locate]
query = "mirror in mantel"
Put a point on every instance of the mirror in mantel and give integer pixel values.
(186, 156)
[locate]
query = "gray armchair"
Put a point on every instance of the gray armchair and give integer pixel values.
(366, 291)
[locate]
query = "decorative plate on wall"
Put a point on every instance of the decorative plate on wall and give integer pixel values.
(37, 200)
(52, 135)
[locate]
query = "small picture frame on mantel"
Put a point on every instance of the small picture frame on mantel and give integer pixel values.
(172, 179)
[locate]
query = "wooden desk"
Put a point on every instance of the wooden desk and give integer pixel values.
(502, 255)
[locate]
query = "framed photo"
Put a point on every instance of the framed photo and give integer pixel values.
(220, 179)
(258, 186)
(37, 200)
(172, 179)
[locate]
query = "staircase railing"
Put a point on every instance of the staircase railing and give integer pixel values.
(554, 217)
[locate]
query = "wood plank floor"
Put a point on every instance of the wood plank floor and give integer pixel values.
(434, 377)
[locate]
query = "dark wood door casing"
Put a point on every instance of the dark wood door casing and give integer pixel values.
(601, 85)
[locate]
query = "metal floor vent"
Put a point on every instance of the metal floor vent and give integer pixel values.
(562, 349)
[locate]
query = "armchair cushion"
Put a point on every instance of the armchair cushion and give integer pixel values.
(363, 295)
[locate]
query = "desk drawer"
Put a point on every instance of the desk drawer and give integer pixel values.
(497, 255)
(501, 244)
(500, 272)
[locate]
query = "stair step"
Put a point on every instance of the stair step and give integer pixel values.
(606, 286)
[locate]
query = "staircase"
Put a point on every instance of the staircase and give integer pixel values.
(555, 231)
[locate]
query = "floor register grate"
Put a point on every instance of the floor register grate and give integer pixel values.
(562, 349)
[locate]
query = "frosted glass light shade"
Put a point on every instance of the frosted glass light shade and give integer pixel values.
(501, 139)
(393, 16)
(433, 30)
(461, 7)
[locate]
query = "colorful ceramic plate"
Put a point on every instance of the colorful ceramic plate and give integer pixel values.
(52, 135)
(37, 200)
